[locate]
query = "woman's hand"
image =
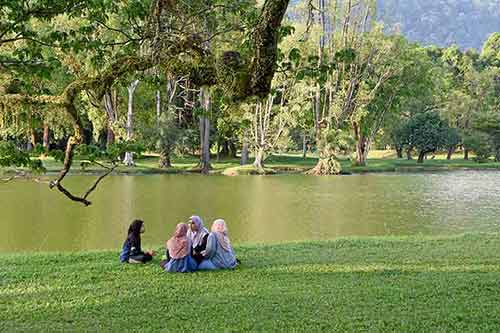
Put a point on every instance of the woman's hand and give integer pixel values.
(152, 253)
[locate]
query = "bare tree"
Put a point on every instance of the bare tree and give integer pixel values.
(129, 157)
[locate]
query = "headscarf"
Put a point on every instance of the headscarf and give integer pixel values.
(179, 246)
(197, 237)
(134, 233)
(219, 229)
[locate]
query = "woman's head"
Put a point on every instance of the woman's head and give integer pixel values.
(219, 229)
(195, 223)
(136, 227)
(178, 246)
(219, 225)
(181, 230)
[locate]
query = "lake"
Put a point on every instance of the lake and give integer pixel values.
(257, 209)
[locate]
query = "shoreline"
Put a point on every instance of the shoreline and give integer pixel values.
(299, 243)
(281, 164)
(253, 172)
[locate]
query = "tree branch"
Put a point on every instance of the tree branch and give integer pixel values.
(66, 100)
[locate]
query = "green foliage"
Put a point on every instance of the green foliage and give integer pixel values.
(479, 144)
(452, 138)
(491, 50)
(165, 136)
(339, 141)
(12, 156)
(426, 132)
(91, 153)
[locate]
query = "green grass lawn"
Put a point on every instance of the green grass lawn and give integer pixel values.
(366, 284)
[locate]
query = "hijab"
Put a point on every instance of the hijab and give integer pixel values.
(179, 246)
(196, 237)
(219, 229)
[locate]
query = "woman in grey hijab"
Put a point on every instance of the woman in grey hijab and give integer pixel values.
(219, 253)
(198, 236)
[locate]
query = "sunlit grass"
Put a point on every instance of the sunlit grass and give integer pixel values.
(350, 284)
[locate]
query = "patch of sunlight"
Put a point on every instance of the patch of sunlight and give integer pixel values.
(379, 268)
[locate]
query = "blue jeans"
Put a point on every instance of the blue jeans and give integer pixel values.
(207, 265)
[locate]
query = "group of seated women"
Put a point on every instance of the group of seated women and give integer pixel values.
(192, 247)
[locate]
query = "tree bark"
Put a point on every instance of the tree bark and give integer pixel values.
(244, 152)
(399, 152)
(421, 157)
(129, 157)
(466, 154)
(233, 153)
(158, 107)
(361, 145)
(110, 108)
(408, 154)
(32, 140)
(165, 161)
(304, 145)
(205, 131)
(259, 159)
(46, 136)
(451, 150)
(361, 151)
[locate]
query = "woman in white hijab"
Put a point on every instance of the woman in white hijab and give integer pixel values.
(219, 253)
(198, 235)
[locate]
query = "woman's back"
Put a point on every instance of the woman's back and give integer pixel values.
(222, 257)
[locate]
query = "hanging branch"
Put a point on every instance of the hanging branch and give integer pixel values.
(66, 102)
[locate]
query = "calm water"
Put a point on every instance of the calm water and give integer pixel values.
(257, 209)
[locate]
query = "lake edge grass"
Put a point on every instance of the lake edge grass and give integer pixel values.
(378, 161)
(410, 283)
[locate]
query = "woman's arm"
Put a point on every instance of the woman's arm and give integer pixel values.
(202, 246)
(211, 246)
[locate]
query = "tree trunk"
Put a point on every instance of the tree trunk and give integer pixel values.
(408, 154)
(361, 151)
(233, 153)
(205, 131)
(361, 145)
(33, 138)
(466, 154)
(399, 152)
(110, 137)
(304, 145)
(110, 108)
(158, 107)
(497, 154)
(451, 150)
(259, 159)
(244, 152)
(46, 136)
(223, 149)
(165, 161)
(421, 157)
(129, 157)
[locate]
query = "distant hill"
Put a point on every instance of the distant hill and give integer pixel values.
(467, 23)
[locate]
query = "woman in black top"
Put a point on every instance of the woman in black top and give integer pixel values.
(198, 235)
(131, 250)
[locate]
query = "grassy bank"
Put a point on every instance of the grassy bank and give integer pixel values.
(378, 161)
(376, 284)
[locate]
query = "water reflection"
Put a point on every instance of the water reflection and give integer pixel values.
(257, 209)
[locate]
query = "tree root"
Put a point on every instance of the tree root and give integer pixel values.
(326, 166)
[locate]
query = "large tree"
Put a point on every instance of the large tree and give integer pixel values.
(173, 38)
